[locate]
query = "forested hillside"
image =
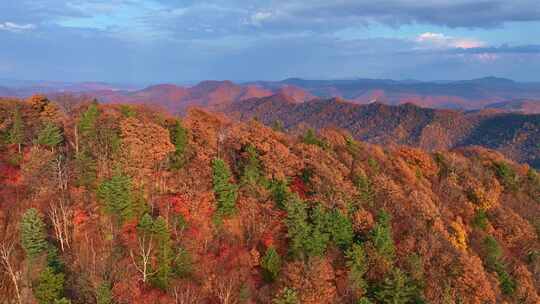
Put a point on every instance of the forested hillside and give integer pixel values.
(126, 204)
(515, 135)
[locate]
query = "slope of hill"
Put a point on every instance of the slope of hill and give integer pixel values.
(122, 204)
(466, 94)
(209, 94)
(515, 135)
(520, 106)
(473, 94)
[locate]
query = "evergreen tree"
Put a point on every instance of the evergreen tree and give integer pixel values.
(117, 195)
(298, 228)
(364, 300)
(226, 193)
(493, 259)
(127, 111)
(53, 259)
(49, 286)
(16, 133)
(357, 264)
(87, 122)
(340, 229)
(507, 176)
(50, 136)
(492, 252)
(365, 188)
(85, 170)
(396, 289)
(146, 224)
(33, 234)
(104, 294)
(179, 138)
(271, 264)
(183, 264)
(316, 242)
(310, 232)
(286, 296)
(164, 253)
(310, 138)
(251, 175)
(381, 236)
(280, 192)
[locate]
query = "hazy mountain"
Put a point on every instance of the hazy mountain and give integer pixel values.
(521, 106)
(465, 94)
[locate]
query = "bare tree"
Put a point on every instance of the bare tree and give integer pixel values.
(6, 251)
(61, 218)
(187, 295)
(144, 255)
(221, 137)
(225, 291)
(61, 174)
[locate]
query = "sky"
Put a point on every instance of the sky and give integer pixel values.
(153, 41)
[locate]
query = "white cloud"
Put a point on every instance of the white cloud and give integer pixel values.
(440, 40)
(259, 17)
(14, 27)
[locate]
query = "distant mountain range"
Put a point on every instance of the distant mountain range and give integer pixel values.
(464, 94)
(515, 135)
(489, 92)
(490, 115)
(213, 95)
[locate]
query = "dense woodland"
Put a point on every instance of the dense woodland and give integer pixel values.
(515, 135)
(120, 203)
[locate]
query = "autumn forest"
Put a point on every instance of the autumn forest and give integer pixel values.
(124, 203)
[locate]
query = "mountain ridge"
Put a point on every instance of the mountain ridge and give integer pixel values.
(516, 135)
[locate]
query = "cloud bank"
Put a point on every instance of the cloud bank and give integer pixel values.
(169, 40)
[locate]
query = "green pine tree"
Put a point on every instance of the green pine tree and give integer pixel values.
(364, 300)
(365, 188)
(493, 259)
(182, 263)
(310, 138)
(271, 264)
(85, 170)
(318, 237)
(49, 286)
(286, 296)
(33, 233)
(87, 122)
(179, 138)
(251, 175)
(117, 195)
(50, 136)
(298, 228)
(381, 236)
(280, 192)
(226, 192)
(146, 224)
(357, 264)
(165, 257)
(16, 132)
(104, 294)
(492, 253)
(396, 289)
(340, 229)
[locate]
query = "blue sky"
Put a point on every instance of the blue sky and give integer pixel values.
(151, 41)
